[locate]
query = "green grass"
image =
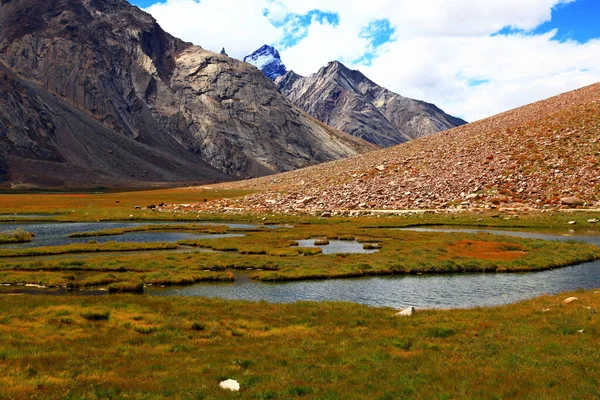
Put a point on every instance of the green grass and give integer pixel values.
(400, 252)
(86, 248)
(110, 269)
(145, 347)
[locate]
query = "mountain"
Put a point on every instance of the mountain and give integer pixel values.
(94, 92)
(543, 155)
(267, 60)
(350, 102)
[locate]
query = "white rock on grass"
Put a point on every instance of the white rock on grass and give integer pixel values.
(407, 312)
(230, 384)
(570, 300)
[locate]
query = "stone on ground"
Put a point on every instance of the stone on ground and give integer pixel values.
(230, 384)
(570, 300)
(407, 312)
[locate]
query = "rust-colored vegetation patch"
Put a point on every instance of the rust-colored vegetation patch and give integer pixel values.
(493, 251)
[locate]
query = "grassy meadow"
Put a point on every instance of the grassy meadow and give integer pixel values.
(126, 346)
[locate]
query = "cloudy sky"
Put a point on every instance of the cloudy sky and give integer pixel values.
(472, 58)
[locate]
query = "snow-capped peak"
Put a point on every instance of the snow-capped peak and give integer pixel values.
(267, 59)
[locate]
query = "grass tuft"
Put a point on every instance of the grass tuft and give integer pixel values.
(96, 315)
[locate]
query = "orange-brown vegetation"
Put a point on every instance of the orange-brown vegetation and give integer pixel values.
(495, 251)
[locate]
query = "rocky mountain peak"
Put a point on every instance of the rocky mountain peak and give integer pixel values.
(268, 60)
(347, 100)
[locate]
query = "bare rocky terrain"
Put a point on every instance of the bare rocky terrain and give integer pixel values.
(349, 101)
(544, 155)
(94, 92)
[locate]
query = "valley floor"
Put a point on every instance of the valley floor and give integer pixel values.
(138, 346)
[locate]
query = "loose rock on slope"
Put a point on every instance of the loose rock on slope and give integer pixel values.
(530, 157)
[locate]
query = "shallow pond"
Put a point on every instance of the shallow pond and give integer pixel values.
(56, 234)
(337, 246)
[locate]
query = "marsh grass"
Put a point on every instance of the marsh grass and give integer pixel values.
(126, 287)
(86, 248)
(19, 235)
(145, 347)
(273, 255)
(96, 315)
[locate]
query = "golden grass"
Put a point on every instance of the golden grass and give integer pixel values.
(181, 348)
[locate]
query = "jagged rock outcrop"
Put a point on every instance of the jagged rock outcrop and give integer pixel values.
(79, 67)
(349, 101)
(268, 60)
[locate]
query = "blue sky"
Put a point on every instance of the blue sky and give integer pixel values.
(578, 21)
(473, 58)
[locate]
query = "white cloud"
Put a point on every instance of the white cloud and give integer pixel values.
(440, 46)
(239, 26)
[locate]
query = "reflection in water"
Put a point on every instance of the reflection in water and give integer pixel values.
(337, 246)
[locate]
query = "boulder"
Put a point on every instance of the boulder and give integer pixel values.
(230, 384)
(571, 201)
(407, 312)
(570, 300)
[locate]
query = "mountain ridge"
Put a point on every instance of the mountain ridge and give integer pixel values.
(347, 100)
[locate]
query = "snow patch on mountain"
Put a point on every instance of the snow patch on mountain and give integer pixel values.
(268, 60)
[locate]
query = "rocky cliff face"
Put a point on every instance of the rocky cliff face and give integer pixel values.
(349, 101)
(79, 67)
(46, 142)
